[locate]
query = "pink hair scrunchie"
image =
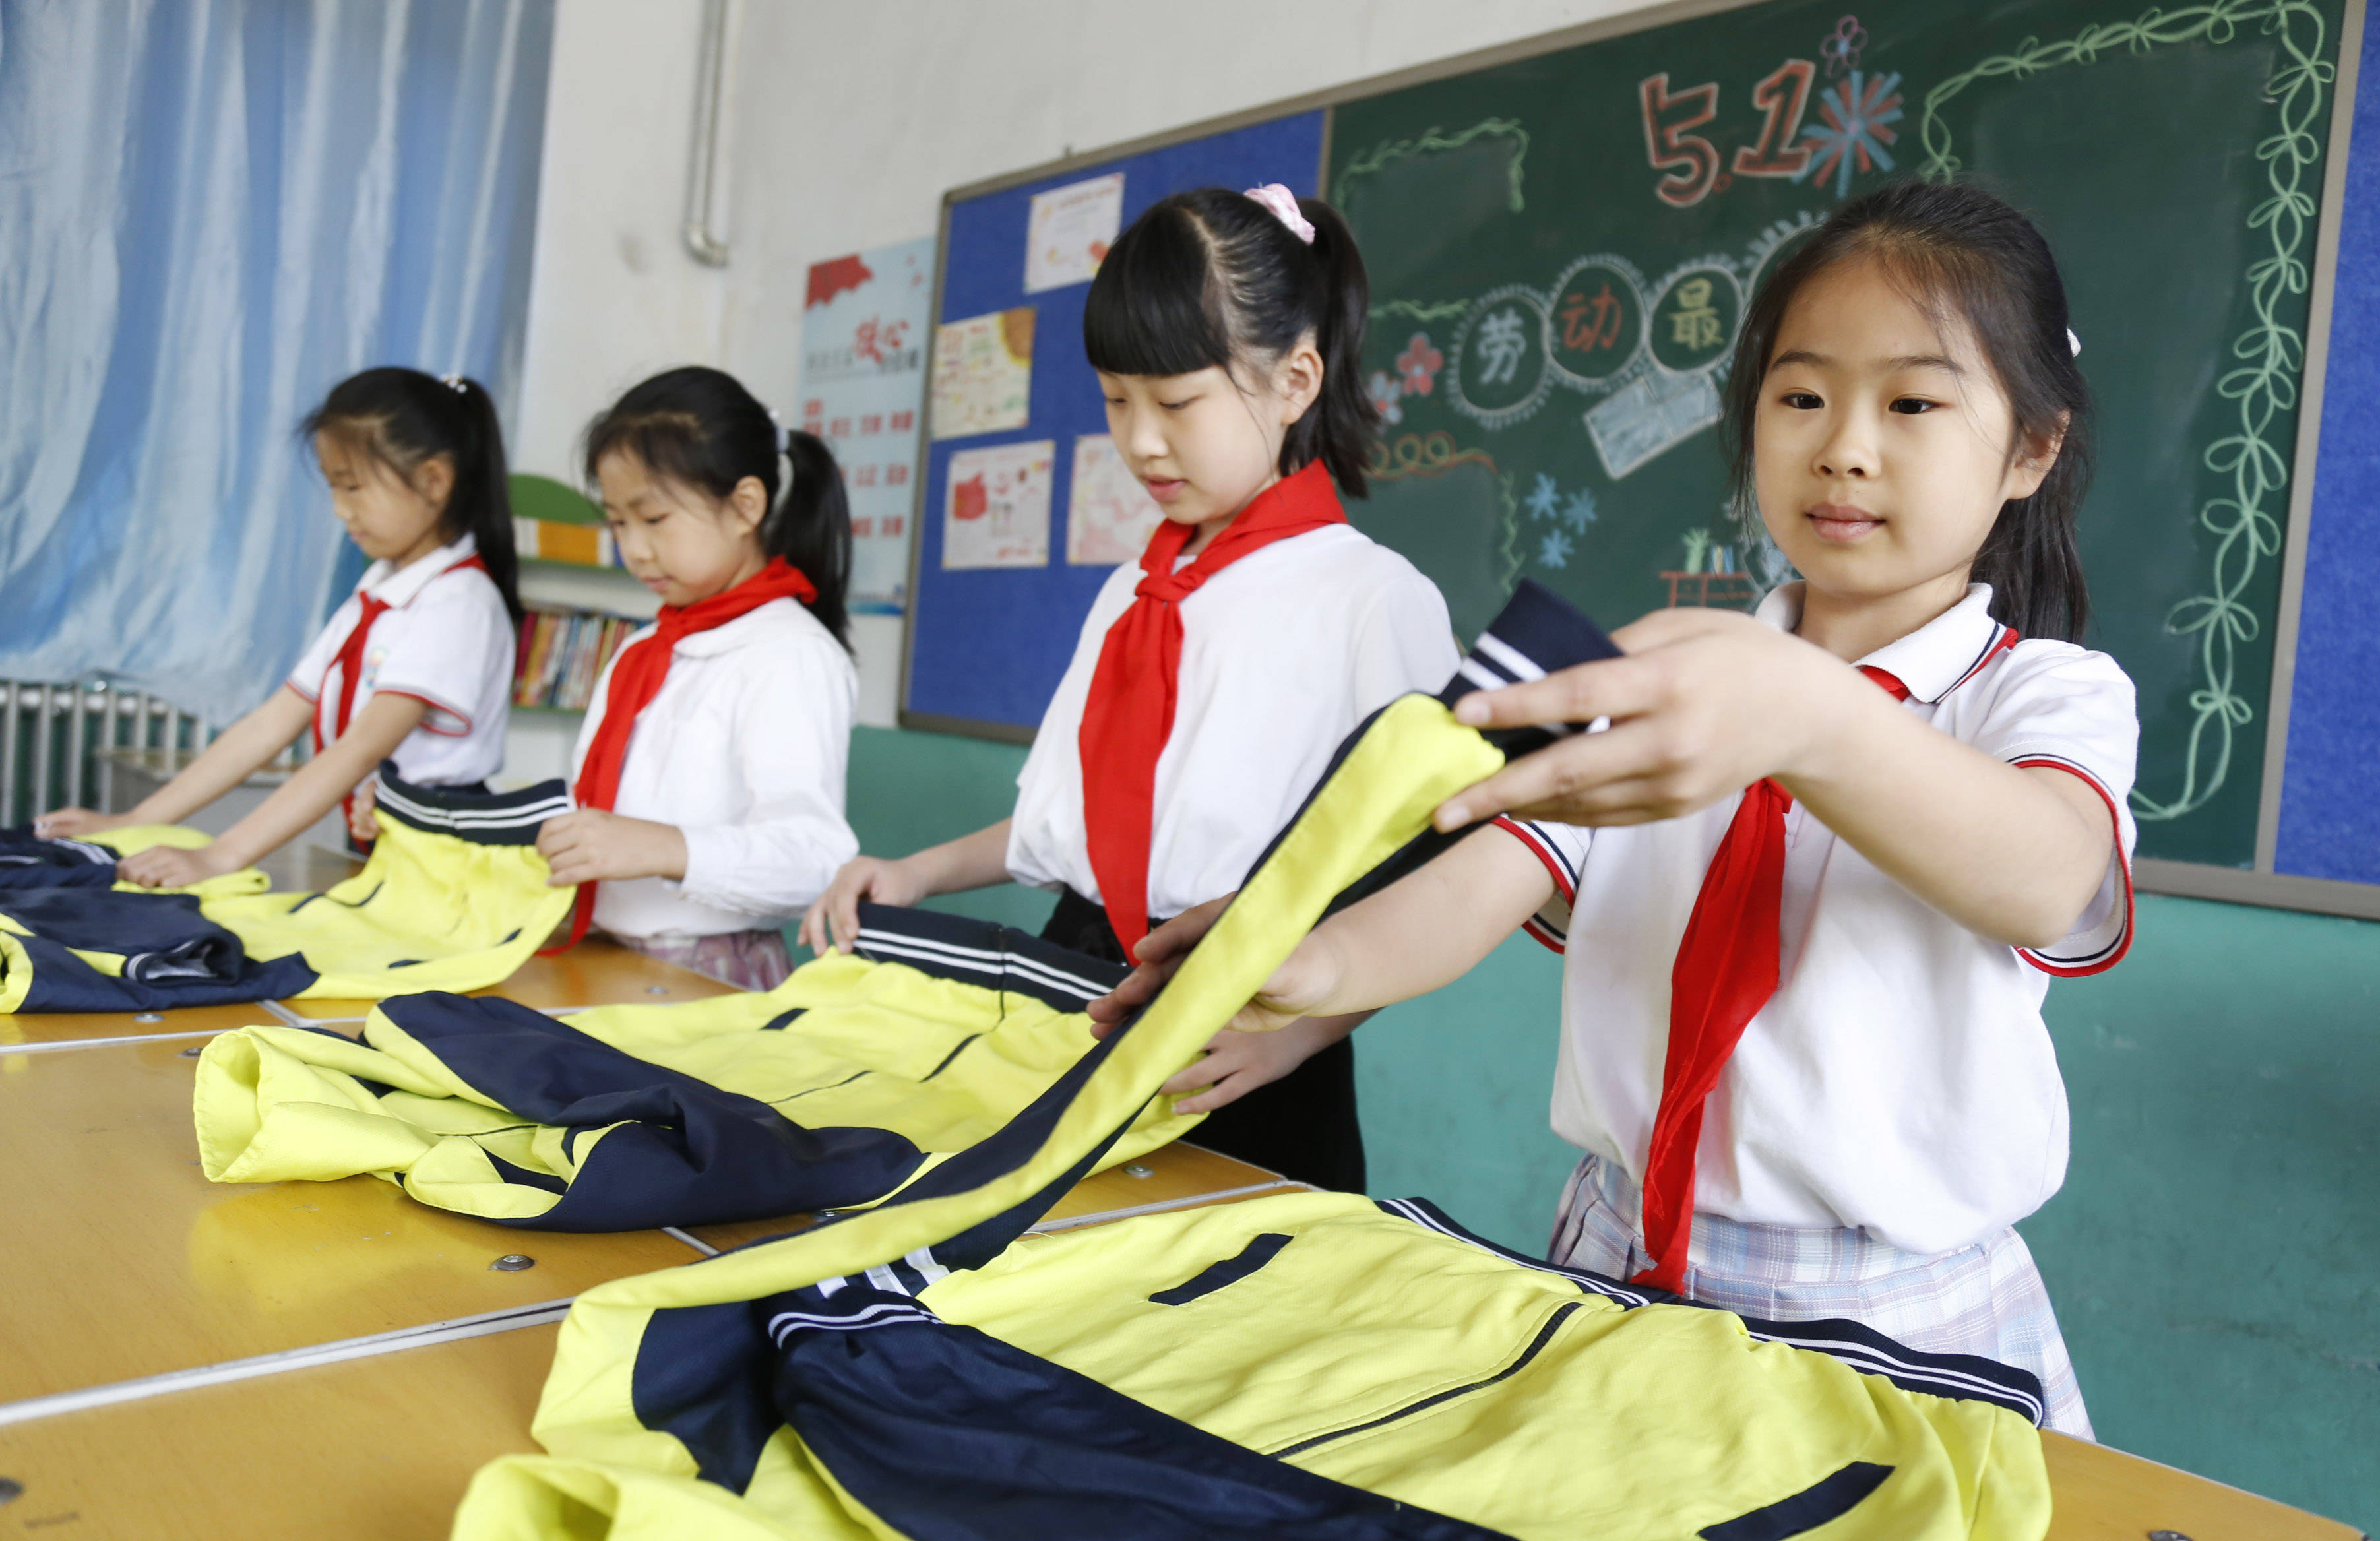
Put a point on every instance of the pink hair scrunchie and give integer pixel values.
(1281, 204)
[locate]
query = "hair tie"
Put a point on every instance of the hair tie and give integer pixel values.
(454, 382)
(2073, 343)
(1281, 204)
(785, 434)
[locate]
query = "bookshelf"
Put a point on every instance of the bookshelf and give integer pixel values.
(582, 604)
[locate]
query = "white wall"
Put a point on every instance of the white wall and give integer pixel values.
(848, 122)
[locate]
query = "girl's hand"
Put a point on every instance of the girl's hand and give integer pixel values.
(163, 866)
(832, 924)
(1302, 986)
(1236, 1063)
(592, 844)
(1706, 703)
(77, 823)
(362, 821)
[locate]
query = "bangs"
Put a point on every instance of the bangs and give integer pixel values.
(1148, 311)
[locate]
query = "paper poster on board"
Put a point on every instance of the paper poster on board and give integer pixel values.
(863, 391)
(1109, 514)
(983, 374)
(995, 511)
(1069, 232)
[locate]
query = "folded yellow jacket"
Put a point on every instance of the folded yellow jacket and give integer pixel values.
(847, 1081)
(454, 897)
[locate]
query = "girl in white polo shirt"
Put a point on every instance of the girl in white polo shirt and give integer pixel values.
(709, 773)
(416, 667)
(1213, 678)
(1839, 847)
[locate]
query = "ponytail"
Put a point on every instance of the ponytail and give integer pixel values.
(482, 502)
(1341, 426)
(401, 418)
(811, 528)
(1213, 279)
(700, 429)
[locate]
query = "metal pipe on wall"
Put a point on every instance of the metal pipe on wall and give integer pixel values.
(702, 169)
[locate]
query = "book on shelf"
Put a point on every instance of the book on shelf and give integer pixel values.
(560, 655)
(552, 540)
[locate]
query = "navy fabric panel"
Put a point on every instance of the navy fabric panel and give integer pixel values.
(2330, 821)
(703, 1373)
(1806, 1510)
(28, 861)
(1222, 1275)
(174, 956)
(689, 1154)
(948, 1434)
(63, 982)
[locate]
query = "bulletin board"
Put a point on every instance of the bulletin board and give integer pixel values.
(986, 644)
(1562, 236)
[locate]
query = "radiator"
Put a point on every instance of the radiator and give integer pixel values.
(52, 739)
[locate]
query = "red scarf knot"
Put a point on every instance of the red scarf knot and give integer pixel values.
(1728, 967)
(637, 673)
(1128, 715)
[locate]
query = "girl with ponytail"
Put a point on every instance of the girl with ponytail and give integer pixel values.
(709, 774)
(415, 668)
(1215, 676)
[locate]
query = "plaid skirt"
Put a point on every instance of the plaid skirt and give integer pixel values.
(1986, 1299)
(748, 960)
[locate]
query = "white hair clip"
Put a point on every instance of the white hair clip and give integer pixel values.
(453, 383)
(2074, 343)
(785, 434)
(1281, 204)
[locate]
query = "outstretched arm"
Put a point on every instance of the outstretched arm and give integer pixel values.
(314, 791)
(1425, 930)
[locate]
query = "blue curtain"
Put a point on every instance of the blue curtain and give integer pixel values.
(211, 211)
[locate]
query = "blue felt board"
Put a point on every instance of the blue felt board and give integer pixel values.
(2330, 815)
(989, 645)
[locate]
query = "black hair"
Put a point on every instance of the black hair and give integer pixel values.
(1962, 254)
(700, 429)
(401, 418)
(1212, 279)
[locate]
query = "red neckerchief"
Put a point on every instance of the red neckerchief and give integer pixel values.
(1129, 712)
(1726, 968)
(638, 674)
(350, 663)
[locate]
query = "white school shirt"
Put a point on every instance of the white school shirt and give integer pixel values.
(1901, 1080)
(743, 749)
(446, 641)
(1283, 653)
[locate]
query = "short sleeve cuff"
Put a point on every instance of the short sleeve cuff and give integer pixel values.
(1563, 850)
(2101, 937)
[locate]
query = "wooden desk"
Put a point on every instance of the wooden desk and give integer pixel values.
(2103, 1495)
(383, 1448)
(122, 1261)
(594, 973)
(43, 1030)
(1176, 1176)
(374, 1450)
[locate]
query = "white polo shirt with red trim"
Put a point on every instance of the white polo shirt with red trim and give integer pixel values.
(445, 640)
(1901, 1081)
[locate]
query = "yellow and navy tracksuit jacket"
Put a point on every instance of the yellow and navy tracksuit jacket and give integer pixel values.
(846, 1082)
(28, 860)
(454, 897)
(1309, 1365)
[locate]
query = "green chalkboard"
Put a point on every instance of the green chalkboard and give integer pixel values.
(1560, 250)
